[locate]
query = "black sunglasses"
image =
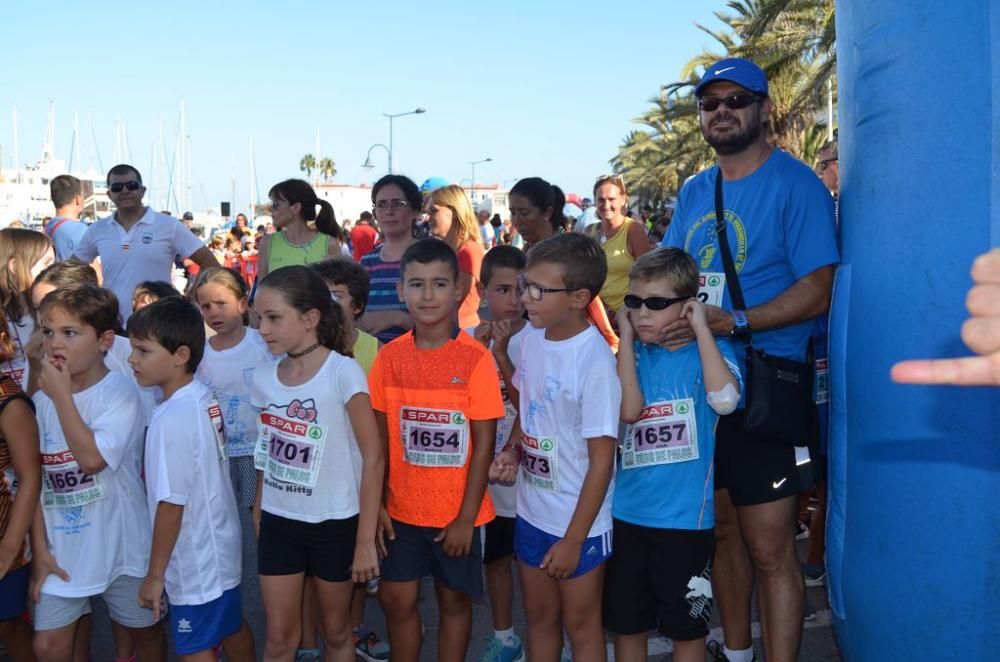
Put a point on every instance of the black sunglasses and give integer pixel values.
(132, 185)
(653, 303)
(733, 102)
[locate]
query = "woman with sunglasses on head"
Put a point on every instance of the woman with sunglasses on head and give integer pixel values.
(622, 239)
(536, 212)
(397, 203)
(306, 235)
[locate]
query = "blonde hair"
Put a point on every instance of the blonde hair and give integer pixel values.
(25, 248)
(615, 180)
(465, 225)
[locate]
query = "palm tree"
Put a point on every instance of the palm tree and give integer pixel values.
(327, 168)
(307, 165)
(792, 40)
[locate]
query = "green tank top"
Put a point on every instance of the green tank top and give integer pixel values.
(280, 253)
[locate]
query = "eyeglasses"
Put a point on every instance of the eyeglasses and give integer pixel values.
(392, 204)
(131, 185)
(536, 291)
(732, 102)
(653, 303)
(618, 180)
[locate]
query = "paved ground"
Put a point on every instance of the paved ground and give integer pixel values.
(817, 645)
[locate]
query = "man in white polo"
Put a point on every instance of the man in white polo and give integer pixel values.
(136, 243)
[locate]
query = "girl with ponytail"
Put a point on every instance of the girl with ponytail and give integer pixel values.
(307, 228)
(321, 464)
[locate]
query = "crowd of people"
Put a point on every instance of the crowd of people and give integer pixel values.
(430, 392)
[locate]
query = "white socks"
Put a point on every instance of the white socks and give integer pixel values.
(739, 656)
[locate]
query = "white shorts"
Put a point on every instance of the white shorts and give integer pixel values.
(122, 598)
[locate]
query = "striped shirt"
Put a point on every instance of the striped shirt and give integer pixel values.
(382, 294)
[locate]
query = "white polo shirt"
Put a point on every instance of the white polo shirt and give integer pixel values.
(145, 252)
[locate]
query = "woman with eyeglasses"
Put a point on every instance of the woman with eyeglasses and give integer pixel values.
(536, 211)
(450, 217)
(397, 206)
(305, 235)
(622, 239)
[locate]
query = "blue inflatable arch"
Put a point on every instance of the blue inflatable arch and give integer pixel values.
(914, 524)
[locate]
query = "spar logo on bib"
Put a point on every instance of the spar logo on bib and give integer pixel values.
(427, 416)
(283, 424)
(710, 281)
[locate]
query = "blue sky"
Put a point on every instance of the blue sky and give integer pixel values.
(543, 88)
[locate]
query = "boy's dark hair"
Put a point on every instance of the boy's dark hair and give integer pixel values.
(670, 264)
(63, 189)
(341, 271)
(124, 169)
(426, 251)
(173, 323)
(501, 257)
(158, 289)
(95, 306)
(584, 263)
(66, 274)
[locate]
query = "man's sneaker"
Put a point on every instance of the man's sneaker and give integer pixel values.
(497, 651)
(814, 575)
(369, 647)
(307, 655)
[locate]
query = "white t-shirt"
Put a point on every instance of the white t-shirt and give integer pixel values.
(569, 392)
(97, 526)
(186, 465)
(505, 496)
(145, 252)
(16, 366)
(306, 445)
(117, 359)
(228, 374)
(487, 234)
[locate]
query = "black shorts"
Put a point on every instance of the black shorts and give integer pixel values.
(324, 550)
(659, 579)
(758, 471)
(413, 554)
(499, 540)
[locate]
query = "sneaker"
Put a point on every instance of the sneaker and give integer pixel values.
(801, 530)
(814, 575)
(496, 651)
(369, 647)
(566, 655)
(307, 655)
(714, 649)
(373, 585)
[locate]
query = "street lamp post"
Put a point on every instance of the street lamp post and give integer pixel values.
(391, 117)
(472, 186)
(368, 158)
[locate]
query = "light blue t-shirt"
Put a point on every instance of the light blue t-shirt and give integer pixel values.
(678, 494)
(65, 234)
(780, 225)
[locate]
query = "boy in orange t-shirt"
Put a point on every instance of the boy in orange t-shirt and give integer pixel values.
(436, 397)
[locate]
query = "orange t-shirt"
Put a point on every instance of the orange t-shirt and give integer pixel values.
(429, 396)
(470, 259)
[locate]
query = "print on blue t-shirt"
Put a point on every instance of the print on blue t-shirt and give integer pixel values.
(678, 494)
(780, 225)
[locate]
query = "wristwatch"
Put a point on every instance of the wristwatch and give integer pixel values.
(741, 326)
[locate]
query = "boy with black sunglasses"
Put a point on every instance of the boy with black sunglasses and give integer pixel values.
(660, 574)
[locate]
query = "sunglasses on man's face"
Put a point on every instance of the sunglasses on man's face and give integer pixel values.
(732, 102)
(132, 185)
(653, 303)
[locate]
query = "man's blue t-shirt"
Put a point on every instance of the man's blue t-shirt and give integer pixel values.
(780, 225)
(665, 477)
(65, 234)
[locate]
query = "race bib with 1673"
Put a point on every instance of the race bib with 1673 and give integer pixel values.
(665, 433)
(539, 460)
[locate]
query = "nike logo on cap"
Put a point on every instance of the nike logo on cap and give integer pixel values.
(778, 483)
(722, 71)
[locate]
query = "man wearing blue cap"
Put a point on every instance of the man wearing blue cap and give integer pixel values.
(780, 230)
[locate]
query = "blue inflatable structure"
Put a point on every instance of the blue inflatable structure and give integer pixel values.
(914, 525)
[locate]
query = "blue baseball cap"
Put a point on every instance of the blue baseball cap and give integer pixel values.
(737, 70)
